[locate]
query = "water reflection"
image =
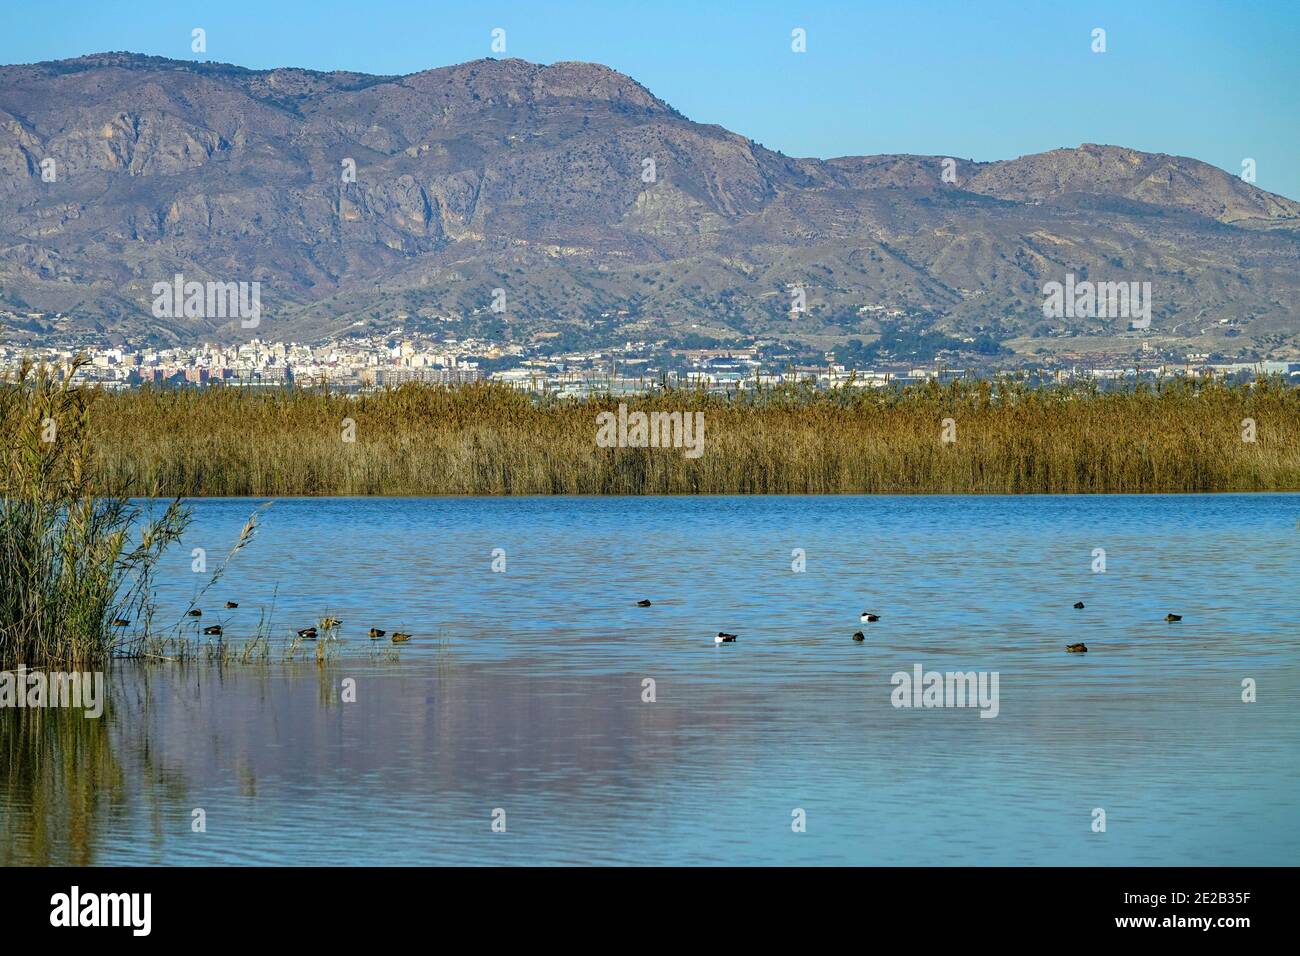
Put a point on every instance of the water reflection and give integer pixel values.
(65, 779)
(524, 691)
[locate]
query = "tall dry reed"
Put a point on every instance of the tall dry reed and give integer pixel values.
(74, 556)
(485, 439)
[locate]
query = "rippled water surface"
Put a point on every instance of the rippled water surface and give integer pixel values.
(523, 690)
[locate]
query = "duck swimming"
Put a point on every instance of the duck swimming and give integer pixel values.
(213, 629)
(869, 618)
(859, 636)
(643, 603)
(230, 604)
(194, 612)
(120, 622)
(330, 622)
(1173, 617)
(308, 633)
(1078, 605)
(400, 637)
(724, 638)
(376, 633)
(1077, 648)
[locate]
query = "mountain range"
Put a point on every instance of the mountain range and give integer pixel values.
(591, 212)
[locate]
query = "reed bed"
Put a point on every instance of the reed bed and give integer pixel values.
(486, 439)
(75, 555)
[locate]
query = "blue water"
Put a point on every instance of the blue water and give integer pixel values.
(522, 689)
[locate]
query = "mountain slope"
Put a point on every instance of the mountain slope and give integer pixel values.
(536, 180)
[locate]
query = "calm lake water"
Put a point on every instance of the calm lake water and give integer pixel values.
(523, 689)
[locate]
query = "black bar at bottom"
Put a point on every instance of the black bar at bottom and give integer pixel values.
(334, 905)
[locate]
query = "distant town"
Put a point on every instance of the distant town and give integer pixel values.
(360, 363)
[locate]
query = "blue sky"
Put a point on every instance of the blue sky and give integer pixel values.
(1219, 81)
